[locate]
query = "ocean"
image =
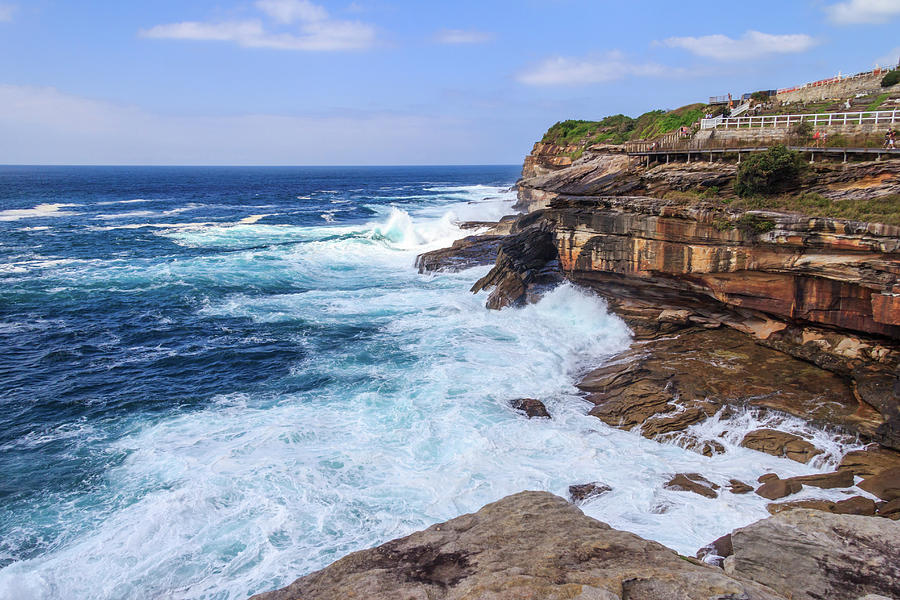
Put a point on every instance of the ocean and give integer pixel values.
(216, 380)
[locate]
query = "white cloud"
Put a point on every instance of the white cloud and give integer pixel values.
(863, 11)
(462, 36)
(562, 70)
(753, 44)
(40, 125)
(6, 12)
(315, 31)
(289, 11)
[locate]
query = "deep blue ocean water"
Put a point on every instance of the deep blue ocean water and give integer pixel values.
(214, 380)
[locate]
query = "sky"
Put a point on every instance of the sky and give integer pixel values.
(379, 82)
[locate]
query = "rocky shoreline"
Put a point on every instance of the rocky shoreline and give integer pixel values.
(773, 314)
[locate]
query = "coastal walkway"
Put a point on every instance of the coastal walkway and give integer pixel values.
(866, 117)
(651, 154)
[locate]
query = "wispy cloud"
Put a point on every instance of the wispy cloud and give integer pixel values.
(6, 12)
(315, 31)
(563, 70)
(863, 11)
(462, 36)
(751, 45)
(46, 125)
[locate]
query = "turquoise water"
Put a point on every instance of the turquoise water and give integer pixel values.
(217, 380)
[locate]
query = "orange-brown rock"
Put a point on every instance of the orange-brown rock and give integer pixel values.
(692, 482)
(871, 461)
(836, 479)
(778, 488)
(885, 485)
(857, 505)
(780, 443)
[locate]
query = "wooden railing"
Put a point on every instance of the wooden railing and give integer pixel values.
(877, 117)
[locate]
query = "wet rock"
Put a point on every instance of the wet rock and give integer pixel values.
(774, 489)
(531, 407)
(705, 447)
(585, 491)
(466, 253)
(812, 555)
(766, 477)
(739, 487)
(885, 485)
(780, 443)
(871, 461)
(526, 266)
(837, 479)
(529, 545)
(692, 482)
(716, 551)
(857, 505)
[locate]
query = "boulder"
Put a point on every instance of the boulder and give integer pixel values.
(837, 479)
(531, 407)
(528, 545)
(692, 482)
(780, 443)
(885, 485)
(773, 489)
(585, 491)
(812, 555)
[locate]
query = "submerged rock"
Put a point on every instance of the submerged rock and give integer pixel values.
(736, 486)
(529, 545)
(693, 482)
(812, 555)
(585, 491)
(716, 551)
(531, 407)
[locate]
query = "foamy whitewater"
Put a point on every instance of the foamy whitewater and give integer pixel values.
(218, 381)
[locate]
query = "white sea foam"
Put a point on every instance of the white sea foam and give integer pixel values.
(41, 210)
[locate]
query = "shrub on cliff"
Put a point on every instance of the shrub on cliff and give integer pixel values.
(771, 172)
(892, 78)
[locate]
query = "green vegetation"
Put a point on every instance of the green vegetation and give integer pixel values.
(617, 129)
(878, 101)
(892, 78)
(802, 131)
(885, 209)
(755, 223)
(759, 96)
(769, 173)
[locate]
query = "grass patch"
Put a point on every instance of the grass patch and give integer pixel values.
(877, 102)
(885, 209)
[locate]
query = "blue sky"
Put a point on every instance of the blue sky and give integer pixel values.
(389, 81)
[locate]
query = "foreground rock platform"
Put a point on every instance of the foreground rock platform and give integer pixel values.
(532, 545)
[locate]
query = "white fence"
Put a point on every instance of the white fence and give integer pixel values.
(877, 117)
